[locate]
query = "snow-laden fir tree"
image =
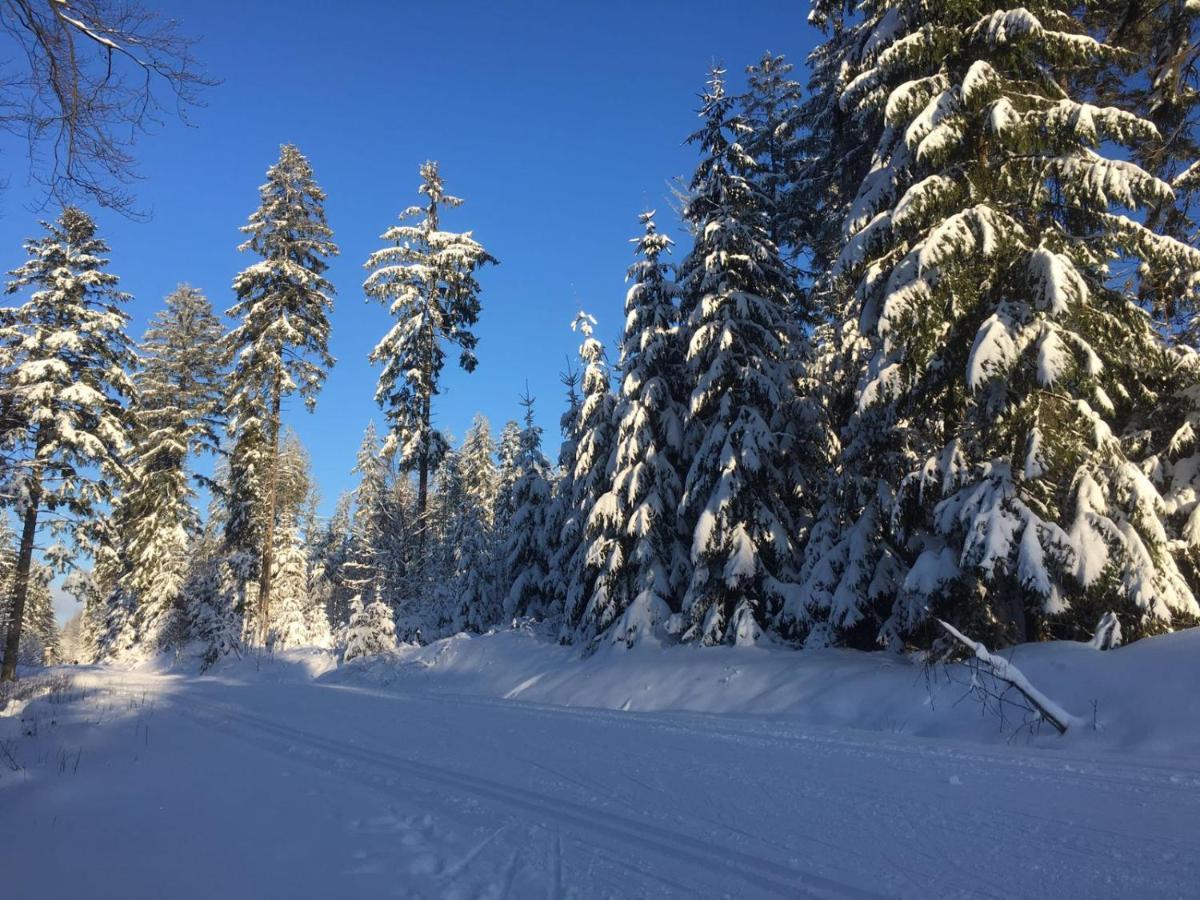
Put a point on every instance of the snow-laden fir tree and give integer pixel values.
(426, 279)
(360, 572)
(1159, 42)
(595, 453)
(66, 358)
(525, 548)
(292, 619)
(177, 414)
(329, 551)
(371, 630)
(473, 533)
(742, 341)
(210, 594)
(770, 111)
(508, 457)
(298, 618)
(564, 521)
(638, 545)
(983, 478)
(279, 347)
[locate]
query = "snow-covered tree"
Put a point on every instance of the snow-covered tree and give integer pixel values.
(508, 457)
(638, 545)
(983, 479)
(473, 534)
(279, 347)
(426, 279)
(211, 594)
(771, 110)
(595, 452)
(66, 357)
(371, 631)
(525, 547)
(742, 344)
(292, 619)
(564, 522)
(361, 569)
(176, 415)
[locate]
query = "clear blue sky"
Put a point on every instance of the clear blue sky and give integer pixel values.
(558, 122)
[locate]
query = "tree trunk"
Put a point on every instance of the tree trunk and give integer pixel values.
(268, 550)
(21, 586)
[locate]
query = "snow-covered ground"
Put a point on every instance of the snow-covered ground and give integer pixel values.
(504, 766)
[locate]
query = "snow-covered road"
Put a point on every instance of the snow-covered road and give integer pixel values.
(155, 786)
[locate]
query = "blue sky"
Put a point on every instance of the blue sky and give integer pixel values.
(557, 122)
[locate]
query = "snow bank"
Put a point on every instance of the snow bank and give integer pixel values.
(1141, 697)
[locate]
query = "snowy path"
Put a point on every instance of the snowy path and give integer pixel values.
(199, 787)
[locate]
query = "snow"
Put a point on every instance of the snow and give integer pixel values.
(624, 774)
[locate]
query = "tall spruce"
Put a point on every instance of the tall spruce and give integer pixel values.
(983, 480)
(66, 358)
(638, 547)
(525, 550)
(426, 279)
(771, 110)
(592, 475)
(564, 522)
(361, 571)
(742, 340)
(474, 532)
(280, 347)
(177, 415)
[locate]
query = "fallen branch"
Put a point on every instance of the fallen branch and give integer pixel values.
(1005, 671)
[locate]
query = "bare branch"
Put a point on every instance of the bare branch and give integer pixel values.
(87, 84)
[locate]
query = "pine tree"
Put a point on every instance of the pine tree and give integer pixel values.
(426, 278)
(176, 415)
(280, 347)
(592, 476)
(639, 547)
(66, 354)
(525, 556)
(742, 344)
(984, 481)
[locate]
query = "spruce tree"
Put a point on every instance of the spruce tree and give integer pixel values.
(742, 343)
(426, 279)
(361, 569)
(177, 414)
(473, 535)
(983, 479)
(280, 347)
(638, 546)
(591, 478)
(771, 111)
(525, 550)
(371, 631)
(66, 356)
(564, 520)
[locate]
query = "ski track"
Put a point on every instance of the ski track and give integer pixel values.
(459, 796)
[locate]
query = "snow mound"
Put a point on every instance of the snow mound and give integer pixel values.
(1139, 697)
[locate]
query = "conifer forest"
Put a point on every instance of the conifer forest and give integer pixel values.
(863, 556)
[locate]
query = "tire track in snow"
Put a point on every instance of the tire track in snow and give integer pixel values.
(766, 874)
